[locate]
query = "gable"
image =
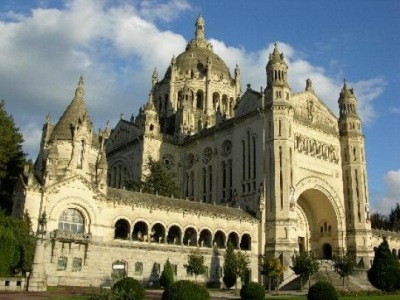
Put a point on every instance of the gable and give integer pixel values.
(75, 185)
(123, 132)
(250, 101)
(311, 111)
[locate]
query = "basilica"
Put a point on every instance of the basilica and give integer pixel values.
(271, 171)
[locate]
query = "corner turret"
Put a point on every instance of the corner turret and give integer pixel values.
(277, 77)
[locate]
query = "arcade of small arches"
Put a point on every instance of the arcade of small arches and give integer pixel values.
(197, 100)
(176, 235)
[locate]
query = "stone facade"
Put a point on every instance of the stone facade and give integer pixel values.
(270, 171)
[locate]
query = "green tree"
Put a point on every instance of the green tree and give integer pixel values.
(12, 158)
(230, 276)
(343, 264)
(271, 267)
(167, 275)
(17, 246)
(384, 273)
(304, 264)
(157, 181)
(394, 218)
(235, 265)
(380, 221)
(195, 263)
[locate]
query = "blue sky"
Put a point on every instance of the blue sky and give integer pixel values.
(46, 45)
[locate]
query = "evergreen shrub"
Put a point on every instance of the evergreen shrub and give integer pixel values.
(322, 290)
(167, 275)
(252, 291)
(185, 290)
(128, 289)
(229, 278)
(384, 273)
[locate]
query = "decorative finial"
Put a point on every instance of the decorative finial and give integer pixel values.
(79, 90)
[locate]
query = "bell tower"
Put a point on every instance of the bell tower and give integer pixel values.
(354, 177)
(279, 143)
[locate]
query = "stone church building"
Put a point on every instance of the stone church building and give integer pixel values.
(270, 171)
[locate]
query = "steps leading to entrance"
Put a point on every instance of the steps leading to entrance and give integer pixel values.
(357, 281)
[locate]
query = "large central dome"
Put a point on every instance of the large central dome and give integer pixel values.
(199, 54)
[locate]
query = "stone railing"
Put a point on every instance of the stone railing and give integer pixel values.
(64, 236)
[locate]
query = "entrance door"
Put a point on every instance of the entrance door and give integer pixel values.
(327, 251)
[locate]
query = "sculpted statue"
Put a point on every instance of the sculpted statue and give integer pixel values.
(292, 203)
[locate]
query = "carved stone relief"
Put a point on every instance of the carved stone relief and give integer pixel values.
(316, 148)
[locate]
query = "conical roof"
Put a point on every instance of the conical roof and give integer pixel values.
(75, 113)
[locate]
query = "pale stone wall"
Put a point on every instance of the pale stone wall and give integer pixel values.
(96, 257)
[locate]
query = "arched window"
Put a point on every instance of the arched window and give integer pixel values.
(71, 220)
(199, 100)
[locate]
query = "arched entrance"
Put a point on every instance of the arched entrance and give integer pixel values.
(318, 222)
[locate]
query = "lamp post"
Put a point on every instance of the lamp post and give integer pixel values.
(37, 281)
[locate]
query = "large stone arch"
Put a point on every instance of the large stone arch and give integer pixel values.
(320, 216)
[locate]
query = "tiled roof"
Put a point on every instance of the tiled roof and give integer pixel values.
(180, 205)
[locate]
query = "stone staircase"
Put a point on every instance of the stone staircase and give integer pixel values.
(357, 281)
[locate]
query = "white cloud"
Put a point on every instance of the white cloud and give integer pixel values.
(116, 46)
(392, 193)
(156, 9)
(395, 110)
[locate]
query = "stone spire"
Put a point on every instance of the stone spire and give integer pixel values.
(199, 39)
(76, 113)
(200, 30)
(154, 78)
(150, 104)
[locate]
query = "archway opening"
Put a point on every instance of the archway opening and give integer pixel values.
(140, 232)
(245, 243)
(219, 239)
(190, 237)
(205, 238)
(318, 224)
(174, 235)
(122, 229)
(233, 239)
(157, 233)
